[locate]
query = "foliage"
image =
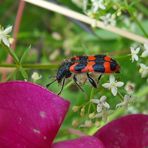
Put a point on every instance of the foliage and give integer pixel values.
(54, 37)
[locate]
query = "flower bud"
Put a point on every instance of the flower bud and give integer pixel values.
(75, 108)
(35, 76)
(75, 123)
(91, 115)
(82, 112)
(88, 123)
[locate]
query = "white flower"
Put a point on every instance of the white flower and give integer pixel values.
(96, 4)
(129, 87)
(134, 52)
(102, 107)
(145, 52)
(143, 70)
(113, 84)
(4, 37)
(108, 19)
(35, 76)
(101, 104)
(126, 101)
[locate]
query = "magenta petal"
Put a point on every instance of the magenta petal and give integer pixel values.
(30, 115)
(83, 142)
(127, 132)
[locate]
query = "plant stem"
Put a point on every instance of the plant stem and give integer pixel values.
(17, 22)
(139, 24)
(142, 9)
(121, 96)
(83, 18)
(91, 97)
(92, 93)
(12, 53)
(135, 18)
(31, 66)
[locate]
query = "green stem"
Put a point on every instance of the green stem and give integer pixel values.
(12, 53)
(31, 66)
(121, 96)
(8, 65)
(139, 24)
(135, 18)
(69, 84)
(123, 57)
(142, 8)
(91, 97)
(92, 93)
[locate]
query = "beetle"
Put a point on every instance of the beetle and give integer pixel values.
(85, 64)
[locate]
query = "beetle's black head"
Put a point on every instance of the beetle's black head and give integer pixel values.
(63, 71)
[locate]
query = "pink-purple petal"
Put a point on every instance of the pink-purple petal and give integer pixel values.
(127, 132)
(30, 115)
(82, 142)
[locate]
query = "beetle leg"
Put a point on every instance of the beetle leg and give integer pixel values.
(91, 80)
(99, 78)
(62, 86)
(75, 80)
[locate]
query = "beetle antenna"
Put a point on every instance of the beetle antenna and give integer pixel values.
(47, 85)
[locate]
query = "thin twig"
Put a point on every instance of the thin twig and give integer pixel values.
(31, 66)
(17, 23)
(15, 33)
(88, 20)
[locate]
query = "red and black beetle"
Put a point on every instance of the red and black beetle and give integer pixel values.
(85, 64)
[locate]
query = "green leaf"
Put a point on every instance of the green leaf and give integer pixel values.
(106, 35)
(24, 54)
(23, 72)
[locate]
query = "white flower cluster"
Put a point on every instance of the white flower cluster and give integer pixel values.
(108, 19)
(134, 53)
(103, 107)
(97, 5)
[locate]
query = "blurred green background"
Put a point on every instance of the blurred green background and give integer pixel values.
(54, 37)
